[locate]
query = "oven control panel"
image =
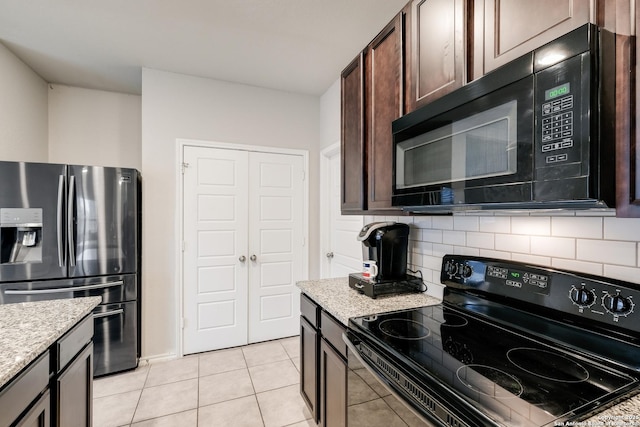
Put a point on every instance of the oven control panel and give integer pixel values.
(590, 297)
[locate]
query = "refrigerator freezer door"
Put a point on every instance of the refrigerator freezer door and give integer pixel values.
(103, 224)
(32, 197)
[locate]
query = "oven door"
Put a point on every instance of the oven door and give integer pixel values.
(479, 152)
(370, 402)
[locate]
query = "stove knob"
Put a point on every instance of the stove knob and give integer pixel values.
(451, 268)
(467, 271)
(582, 297)
(617, 304)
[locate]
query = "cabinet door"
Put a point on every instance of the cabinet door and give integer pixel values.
(384, 103)
(309, 366)
(627, 149)
(75, 391)
(515, 27)
(352, 137)
(39, 415)
(333, 387)
(437, 49)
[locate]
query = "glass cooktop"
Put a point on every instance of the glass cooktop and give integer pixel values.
(477, 365)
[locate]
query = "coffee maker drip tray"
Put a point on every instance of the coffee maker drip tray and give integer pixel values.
(410, 284)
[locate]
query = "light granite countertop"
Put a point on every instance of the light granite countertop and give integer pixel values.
(336, 297)
(28, 329)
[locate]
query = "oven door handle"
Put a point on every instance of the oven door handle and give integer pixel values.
(62, 290)
(108, 313)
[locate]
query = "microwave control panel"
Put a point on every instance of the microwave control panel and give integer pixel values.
(559, 93)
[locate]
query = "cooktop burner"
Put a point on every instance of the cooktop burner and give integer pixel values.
(555, 367)
(404, 329)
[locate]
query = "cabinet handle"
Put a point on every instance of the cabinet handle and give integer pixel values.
(329, 255)
(242, 258)
(253, 258)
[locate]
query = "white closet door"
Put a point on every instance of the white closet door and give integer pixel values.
(276, 227)
(215, 232)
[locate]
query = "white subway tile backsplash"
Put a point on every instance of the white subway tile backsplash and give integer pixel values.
(420, 247)
(466, 223)
(578, 227)
(495, 254)
(577, 266)
(577, 241)
(532, 226)
(456, 238)
(607, 252)
(442, 250)
(560, 247)
(629, 274)
(622, 229)
(495, 224)
(513, 243)
(481, 240)
(433, 236)
(532, 259)
(432, 262)
(442, 222)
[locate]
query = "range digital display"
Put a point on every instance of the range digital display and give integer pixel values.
(557, 91)
(531, 282)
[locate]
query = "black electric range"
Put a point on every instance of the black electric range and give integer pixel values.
(511, 345)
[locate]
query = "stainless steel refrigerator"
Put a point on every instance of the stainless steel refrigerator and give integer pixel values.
(71, 231)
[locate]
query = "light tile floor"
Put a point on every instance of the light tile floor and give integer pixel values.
(255, 385)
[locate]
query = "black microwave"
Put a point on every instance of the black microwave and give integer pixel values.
(538, 132)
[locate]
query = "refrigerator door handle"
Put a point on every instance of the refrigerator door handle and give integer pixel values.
(60, 221)
(108, 313)
(61, 290)
(70, 241)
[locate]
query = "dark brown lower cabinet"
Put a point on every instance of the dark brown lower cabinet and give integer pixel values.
(323, 365)
(309, 366)
(40, 414)
(75, 391)
(333, 387)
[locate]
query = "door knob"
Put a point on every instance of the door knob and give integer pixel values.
(253, 258)
(329, 255)
(242, 258)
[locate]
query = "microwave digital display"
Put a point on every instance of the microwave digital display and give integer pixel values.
(557, 91)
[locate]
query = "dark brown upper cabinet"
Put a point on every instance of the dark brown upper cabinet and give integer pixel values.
(627, 131)
(384, 103)
(372, 96)
(506, 29)
(352, 147)
(437, 49)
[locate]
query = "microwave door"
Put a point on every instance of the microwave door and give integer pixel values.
(102, 232)
(32, 245)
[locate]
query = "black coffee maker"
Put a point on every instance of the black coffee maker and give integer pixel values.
(386, 243)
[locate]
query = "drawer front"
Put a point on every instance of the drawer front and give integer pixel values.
(73, 341)
(332, 331)
(310, 310)
(19, 393)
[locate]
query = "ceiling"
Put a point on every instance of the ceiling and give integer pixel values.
(292, 45)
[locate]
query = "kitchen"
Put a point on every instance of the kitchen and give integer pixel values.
(51, 124)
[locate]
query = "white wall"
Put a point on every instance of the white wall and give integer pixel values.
(94, 127)
(23, 111)
(330, 116)
(579, 241)
(179, 106)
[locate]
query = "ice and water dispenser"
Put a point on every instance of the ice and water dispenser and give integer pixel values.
(20, 235)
